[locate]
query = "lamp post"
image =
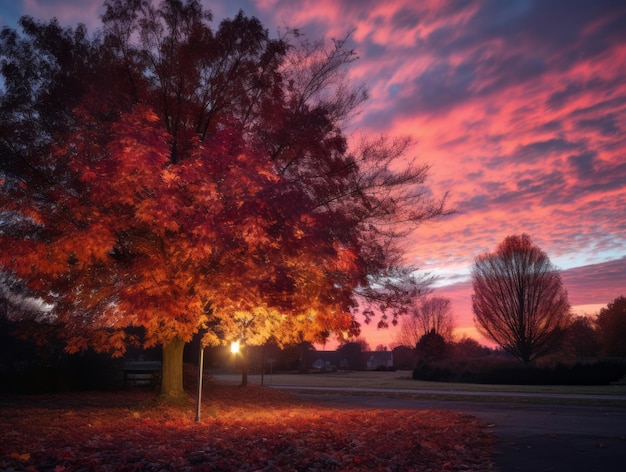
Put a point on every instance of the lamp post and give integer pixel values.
(234, 348)
(200, 372)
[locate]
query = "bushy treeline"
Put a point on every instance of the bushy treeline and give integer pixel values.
(30, 367)
(580, 358)
(81, 372)
(602, 372)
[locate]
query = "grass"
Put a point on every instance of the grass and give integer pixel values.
(403, 380)
(401, 383)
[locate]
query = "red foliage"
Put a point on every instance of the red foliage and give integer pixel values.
(254, 428)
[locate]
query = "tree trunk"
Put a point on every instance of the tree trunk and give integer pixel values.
(172, 370)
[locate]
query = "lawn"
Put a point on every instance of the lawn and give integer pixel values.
(400, 384)
(402, 380)
(251, 428)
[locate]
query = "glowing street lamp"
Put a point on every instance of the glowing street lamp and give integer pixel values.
(234, 347)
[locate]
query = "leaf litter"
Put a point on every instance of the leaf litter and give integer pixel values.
(241, 429)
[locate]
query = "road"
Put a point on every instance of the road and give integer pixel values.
(531, 437)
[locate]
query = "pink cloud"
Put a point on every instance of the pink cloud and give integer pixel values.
(589, 288)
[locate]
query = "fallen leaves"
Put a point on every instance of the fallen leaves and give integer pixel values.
(253, 428)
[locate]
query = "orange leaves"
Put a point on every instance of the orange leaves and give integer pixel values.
(255, 428)
(20, 457)
(148, 115)
(88, 176)
(345, 259)
(170, 177)
(143, 236)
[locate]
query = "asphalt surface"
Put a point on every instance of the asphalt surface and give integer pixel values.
(530, 437)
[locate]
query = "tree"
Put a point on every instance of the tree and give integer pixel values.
(404, 357)
(431, 346)
(611, 328)
(198, 178)
(351, 354)
(518, 299)
(430, 314)
(468, 347)
(46, 74)
(582, 338)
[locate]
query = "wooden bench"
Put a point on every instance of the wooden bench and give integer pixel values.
(140, 372)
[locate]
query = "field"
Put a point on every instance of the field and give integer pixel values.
(251, 428)
(402, 380)
(400, 384)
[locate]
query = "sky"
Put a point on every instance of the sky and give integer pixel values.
(518, 106)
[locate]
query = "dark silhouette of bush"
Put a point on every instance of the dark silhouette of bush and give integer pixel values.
(611, 328)
(404, 357)
(77, 372)
(599, 373)
(426, 371)
(431, 346)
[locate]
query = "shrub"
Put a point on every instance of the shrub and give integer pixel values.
(426, 371)
(599, 373)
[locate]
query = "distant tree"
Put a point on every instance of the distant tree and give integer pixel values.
(407, 332)
(404, 357)
(611, 327)
(295, 357)
(582, 338)
(434, 314)
(432, 346)
(468, 347)
(426, 315)
(352, 354)
(381, 347)
(519, 301)
(365, 346)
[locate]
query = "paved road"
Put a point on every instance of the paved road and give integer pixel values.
(531, 437)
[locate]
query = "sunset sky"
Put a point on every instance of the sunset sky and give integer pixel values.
(519, 106)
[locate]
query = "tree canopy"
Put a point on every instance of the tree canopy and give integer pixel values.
(425, 315)
(518, 300)
(167, 175)
(611, 328)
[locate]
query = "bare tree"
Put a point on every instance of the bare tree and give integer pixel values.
(519, 300)
(431, 314)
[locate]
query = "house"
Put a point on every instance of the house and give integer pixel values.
(325, 360)
(369, 360)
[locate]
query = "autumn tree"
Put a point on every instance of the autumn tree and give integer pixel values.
(425, 315)
(45, 75)
(199, 179)
(518, 299)
(611, 328)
